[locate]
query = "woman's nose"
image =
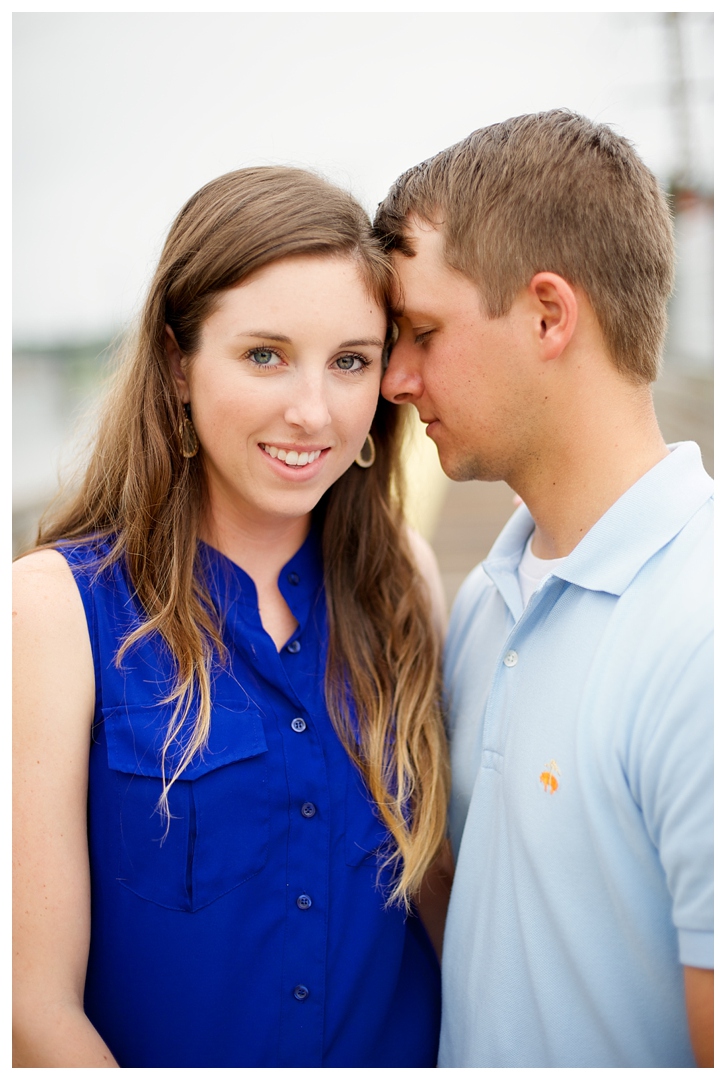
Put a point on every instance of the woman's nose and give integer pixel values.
(308, 408)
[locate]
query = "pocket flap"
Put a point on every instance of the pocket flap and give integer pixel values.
(135, 735)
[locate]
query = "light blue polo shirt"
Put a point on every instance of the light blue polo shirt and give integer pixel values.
(582, 803)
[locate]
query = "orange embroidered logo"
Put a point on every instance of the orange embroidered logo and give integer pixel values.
(548, 778)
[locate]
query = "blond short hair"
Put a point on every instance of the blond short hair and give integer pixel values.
(550, 191)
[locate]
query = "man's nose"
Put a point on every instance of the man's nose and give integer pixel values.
(309, 408)
(402, 381)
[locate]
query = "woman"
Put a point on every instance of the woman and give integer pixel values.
(231, 773)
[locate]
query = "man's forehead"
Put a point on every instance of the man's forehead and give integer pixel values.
(416, 276)
(424, 237)
(397, 299)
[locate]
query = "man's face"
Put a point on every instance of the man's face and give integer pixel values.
(467, 374)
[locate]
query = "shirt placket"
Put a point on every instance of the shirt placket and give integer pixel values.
(308, 855)
(290, 683)
(511, 667)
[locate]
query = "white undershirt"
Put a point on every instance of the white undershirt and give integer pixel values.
(532, 570)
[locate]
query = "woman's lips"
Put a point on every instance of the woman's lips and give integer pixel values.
(297, 458)
(286, 464)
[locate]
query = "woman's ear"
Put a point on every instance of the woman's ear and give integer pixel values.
(557, 308)
(176, 364)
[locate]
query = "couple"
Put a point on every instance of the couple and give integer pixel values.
(232, 774)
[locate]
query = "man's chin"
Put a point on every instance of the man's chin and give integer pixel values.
(461, 468)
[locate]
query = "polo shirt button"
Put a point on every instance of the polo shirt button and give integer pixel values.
(308, 809)
(293, 578)
(304, 902)
(293, 647)
(300, 993)
(298, 724)
(511, 658)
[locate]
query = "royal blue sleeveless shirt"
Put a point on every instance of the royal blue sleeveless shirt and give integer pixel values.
(255, 932)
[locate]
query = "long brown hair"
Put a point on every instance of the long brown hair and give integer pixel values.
(140, 491)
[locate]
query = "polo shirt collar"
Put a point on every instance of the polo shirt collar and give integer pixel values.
(642, 521)
(505, 556)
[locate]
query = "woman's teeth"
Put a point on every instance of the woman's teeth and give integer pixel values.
(292, 457)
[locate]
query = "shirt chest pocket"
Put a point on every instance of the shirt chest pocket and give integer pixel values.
(219, 829)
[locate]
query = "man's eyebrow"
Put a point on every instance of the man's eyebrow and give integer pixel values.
(264, 334)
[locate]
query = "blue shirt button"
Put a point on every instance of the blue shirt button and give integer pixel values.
(298, 724)
(293, 647)
(308, 809)
(300, 993)
(304, 902)
(293, 578)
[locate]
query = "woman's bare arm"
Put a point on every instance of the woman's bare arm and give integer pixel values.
(432, 901)
(53, 701)
(428, 568)
(699, 1010)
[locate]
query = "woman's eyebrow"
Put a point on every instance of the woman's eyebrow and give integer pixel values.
(264, 334)
(281, 337)
(363, 341)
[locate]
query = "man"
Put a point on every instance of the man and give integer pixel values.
(534, 261)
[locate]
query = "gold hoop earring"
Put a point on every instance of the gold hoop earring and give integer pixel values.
(367, 453)
(187, 434)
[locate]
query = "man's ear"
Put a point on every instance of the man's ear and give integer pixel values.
(557, 309)
(176, 364)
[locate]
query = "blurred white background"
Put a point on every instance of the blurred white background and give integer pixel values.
(119, 118)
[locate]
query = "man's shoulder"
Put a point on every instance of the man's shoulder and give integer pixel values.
(676, 586)
(658, 647)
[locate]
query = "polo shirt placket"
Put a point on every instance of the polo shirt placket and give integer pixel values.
(512, 659)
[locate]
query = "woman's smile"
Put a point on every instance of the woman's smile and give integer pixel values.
(295, 461)
(293, 456)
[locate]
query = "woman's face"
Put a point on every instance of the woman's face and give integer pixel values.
(284, 386)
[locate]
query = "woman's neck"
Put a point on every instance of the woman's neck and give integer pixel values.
(261, 548)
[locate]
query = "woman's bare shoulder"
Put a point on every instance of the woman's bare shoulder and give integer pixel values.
(43, 564)
(43, 583)
(50, 632)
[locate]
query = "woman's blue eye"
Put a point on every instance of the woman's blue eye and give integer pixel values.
(263, 357)
(351, 363)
